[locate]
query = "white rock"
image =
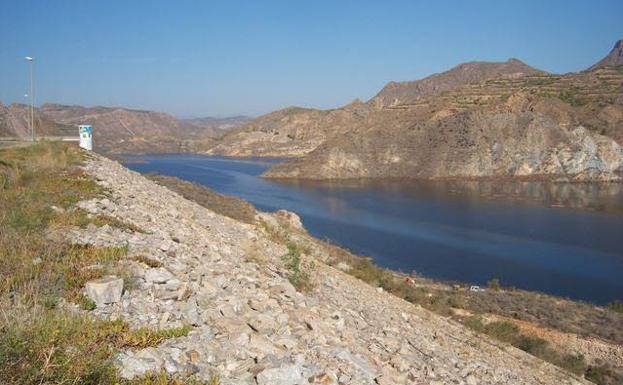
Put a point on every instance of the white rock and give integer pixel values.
(105, 290)
(159, 275)
(285, 375)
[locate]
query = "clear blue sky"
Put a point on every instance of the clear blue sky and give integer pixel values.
(199, 58)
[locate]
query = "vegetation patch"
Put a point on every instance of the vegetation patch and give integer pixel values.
(53, 347)
(297, 277)
(40, 342)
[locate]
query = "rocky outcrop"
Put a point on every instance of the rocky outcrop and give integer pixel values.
(227, 280)
(515, 145)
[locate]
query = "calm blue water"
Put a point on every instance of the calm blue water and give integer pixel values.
(462, 231)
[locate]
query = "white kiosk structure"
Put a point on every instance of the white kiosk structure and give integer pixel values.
(86, 136)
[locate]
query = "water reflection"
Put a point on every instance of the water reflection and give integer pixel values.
(606, 197)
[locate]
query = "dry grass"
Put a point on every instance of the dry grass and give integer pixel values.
(40, 342)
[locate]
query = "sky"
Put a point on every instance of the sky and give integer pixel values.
(222, 58)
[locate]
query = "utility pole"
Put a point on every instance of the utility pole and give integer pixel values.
(32, 100)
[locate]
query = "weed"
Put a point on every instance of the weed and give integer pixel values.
(494, 284)
(616, 306)
(603, 374)
(162, 378)
(86, 303)
(297, 277)
(145, 337)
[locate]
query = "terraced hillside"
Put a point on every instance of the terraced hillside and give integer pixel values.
(550, 126)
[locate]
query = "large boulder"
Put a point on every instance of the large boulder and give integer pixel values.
(105, 290)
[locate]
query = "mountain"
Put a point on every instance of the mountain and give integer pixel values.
(289, 132)
(118, 130)
(476, 120)
(532, 126)
(295, 131)
(15, 121)
(614, 58)
(467, 73)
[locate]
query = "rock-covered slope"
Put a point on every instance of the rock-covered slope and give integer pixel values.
(250, 325)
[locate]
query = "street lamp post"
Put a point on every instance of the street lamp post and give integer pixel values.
(32, 100)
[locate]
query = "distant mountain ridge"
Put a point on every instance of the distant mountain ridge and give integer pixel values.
(614, 58)
(398, 93)
(117, 129)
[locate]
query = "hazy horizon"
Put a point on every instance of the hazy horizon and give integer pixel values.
(195, 59)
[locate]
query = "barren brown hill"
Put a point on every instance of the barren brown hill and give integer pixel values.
(397, 93)
(291, 131)
(540, 125)
(15, 122)
(122, 130)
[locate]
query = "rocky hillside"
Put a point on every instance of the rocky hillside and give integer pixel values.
(525, 136)
(614, 58)
(293, 132)
(250, 325)
(401, 93)
(290, 132)
(550, 126)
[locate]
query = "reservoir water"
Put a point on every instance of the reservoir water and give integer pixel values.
(562, 239)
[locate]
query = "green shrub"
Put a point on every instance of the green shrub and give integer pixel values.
(504, 331)
(534, 345)
(494, 284)
(616, 305)
(603, 375)
(297, 277)
(574, 363)
(86, 303)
